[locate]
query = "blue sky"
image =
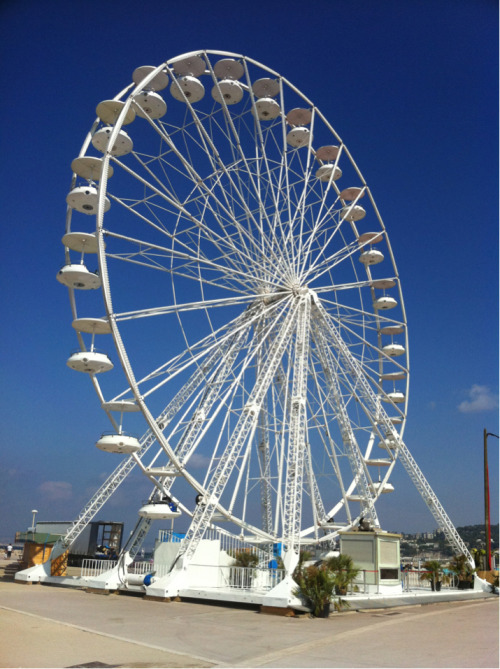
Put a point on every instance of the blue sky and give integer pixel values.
(411, 87)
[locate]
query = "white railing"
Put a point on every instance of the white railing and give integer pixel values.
(250, 578)
(239, 578)
(145, 567)
(412, 580)
(92, 567)
(258, 578)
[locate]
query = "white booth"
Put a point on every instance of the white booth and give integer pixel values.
(377, 555)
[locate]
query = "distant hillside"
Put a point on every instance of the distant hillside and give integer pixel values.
(413, 545)
(474, 535)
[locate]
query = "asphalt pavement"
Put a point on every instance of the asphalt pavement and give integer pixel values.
(47, 626)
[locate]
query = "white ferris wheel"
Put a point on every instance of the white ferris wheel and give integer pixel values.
(253, 299)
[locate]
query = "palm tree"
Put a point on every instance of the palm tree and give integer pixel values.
(344, 570)
(460, 566)
(433, 573)
(304, 556)
(249, 560)
(245, 558)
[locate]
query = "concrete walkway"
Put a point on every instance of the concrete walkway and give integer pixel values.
(46, 626)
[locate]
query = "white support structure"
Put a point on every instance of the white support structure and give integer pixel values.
(435, 507)
(319, 512)
(371, 403)
(265, 466)
(263, 446)
(297, 438)
(107, 489)
(244, 429)
(352, 448)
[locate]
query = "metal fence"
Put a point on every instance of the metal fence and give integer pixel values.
(250, 578)
(145, 567)
(92, 567)
(238, 578)
(265, 579)
(368, 579)
(412, 580)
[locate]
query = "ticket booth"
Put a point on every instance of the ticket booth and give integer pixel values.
(377, 555)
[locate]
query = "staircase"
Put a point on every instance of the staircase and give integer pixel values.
(9, 568)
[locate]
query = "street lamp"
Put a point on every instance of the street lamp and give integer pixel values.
(33, 526)
(487, 525)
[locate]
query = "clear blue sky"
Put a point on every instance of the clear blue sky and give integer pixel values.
(411, 87)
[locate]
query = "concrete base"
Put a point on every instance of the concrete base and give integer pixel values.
(61, 581)
(278, 601)
(223, 595)
(37, 573)
(282, 595)
(414, 598)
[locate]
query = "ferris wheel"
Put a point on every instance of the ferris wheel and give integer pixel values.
(253, 299)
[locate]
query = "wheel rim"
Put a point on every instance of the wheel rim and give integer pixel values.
(223, 243)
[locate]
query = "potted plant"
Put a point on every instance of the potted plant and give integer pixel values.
(464, 571)
(342, 566)
(433, 573)
(494, 585)
(316, 585)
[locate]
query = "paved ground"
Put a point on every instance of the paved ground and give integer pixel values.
(47, 626)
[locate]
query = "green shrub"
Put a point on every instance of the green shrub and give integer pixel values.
(245, 558)
(316, 585)
(460, 566)
(344, 570)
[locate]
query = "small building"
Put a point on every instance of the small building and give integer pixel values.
(377, 555)
(99, 537)
(37, 547)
